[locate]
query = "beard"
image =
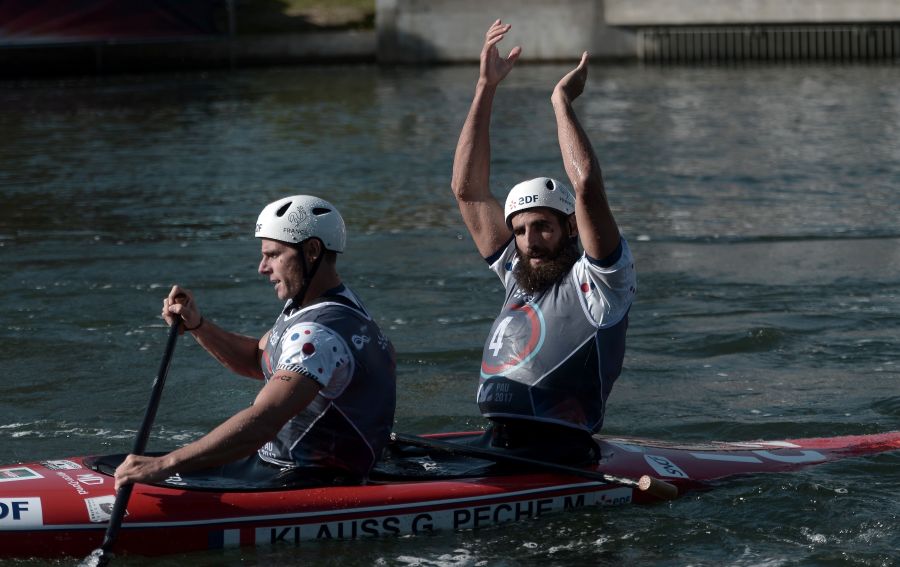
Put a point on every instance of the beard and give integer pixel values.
(533, 279)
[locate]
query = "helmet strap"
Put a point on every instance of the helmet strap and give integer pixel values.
(308, 273)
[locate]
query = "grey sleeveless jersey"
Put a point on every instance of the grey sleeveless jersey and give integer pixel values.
(553, 356)
(348, 422)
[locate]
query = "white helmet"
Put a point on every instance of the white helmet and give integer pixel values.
(539, 192)
(300, 217)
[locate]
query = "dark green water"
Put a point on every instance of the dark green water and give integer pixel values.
(762, 206)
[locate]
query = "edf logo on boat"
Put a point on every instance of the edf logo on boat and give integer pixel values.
(21, 512)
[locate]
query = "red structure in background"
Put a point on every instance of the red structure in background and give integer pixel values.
(45, 22)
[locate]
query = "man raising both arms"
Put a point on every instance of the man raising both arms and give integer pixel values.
(326, 408)
(553, 353)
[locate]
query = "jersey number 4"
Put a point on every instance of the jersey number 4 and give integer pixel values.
(497, 340)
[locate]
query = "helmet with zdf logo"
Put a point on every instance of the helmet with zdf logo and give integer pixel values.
(301, 217)
(539, 192)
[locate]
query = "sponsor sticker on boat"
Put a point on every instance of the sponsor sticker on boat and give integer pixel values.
(665, 467)
(615, 496)
(84, 479)
(100, 508)
(60, 465)
(21, 512)
(90, 479)
(18, 473)
(175, 480)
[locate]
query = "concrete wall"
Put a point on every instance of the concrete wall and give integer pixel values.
(430, 31)
(420, 31)
(710, 12)
(450, 31)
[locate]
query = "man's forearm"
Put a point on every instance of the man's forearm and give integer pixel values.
(578, 155)
(239, 436)
(471, 163)
(238, 353)
(597, 228)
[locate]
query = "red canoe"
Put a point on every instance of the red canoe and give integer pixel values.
(60, 507)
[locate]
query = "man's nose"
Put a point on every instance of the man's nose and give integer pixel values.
(533, 239)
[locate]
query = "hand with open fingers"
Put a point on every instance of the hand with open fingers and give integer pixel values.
(571, 86)
(494, 67)
(180, 304)
(137, 468)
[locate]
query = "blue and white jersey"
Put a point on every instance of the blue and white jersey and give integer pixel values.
(553, 356)
(336, 343)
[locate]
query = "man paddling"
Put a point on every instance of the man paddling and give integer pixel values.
(553, 353)
(327, 404)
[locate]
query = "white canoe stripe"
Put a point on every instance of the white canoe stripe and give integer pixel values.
(341, 512)
(627, 447)
(761, 444)
(725, 457)
(780, 444)
(803, 457)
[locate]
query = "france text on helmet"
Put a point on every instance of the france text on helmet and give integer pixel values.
(300, 217)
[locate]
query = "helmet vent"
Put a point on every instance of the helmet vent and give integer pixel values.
(280, 212)
(549, 185)
(320, 211)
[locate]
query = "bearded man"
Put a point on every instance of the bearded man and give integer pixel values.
(557, 346)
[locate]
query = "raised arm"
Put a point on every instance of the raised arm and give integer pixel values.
(481, 212)
(597, 228)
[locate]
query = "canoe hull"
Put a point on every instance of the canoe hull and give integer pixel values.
(60, 508)
(164, 520)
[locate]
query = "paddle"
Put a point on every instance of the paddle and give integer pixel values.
(103, 554)
(654, 486)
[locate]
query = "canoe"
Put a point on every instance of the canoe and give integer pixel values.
(60, 507)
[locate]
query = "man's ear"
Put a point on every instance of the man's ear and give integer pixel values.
(314, 249)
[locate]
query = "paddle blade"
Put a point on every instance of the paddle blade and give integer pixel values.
(658, 488)
(97, 558)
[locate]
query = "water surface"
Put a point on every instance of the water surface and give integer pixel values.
(761, 205)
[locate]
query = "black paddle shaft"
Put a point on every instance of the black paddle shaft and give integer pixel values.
(101, 556)
(140, 443)
(654, 486)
